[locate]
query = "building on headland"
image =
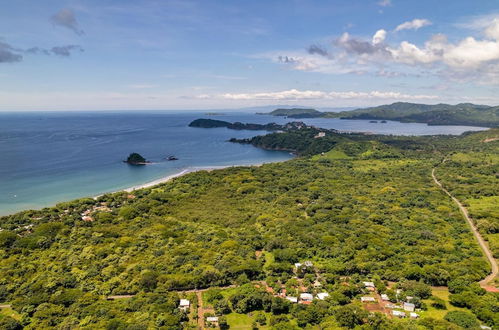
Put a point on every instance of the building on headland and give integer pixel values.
(320, 135)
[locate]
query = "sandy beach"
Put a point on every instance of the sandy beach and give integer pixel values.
(176, 175)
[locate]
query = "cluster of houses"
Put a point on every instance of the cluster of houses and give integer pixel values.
(407, 306)
(86, 215)
(307, 298)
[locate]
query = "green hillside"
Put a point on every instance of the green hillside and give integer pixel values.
(365, 210)
(439, 114)
(295, 113)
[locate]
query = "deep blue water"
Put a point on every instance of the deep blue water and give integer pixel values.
(51, 157)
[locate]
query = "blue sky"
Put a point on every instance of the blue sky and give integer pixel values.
(187, 54)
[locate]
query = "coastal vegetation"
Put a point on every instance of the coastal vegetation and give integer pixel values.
(295, 113)
(352, 208)
(438, 114)
(212, 123)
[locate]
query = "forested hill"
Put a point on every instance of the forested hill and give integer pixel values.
(294, 113)
(366, 209)
(439, 114)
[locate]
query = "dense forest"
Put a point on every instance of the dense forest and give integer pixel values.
(357, 207)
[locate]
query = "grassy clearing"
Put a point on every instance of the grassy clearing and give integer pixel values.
(244, 321)
(9, 312)
(442, 293)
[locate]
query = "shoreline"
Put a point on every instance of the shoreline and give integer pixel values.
(177, 175)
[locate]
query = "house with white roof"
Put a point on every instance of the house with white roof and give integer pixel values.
(409, 307)
(212, 319)
(306, 297)
(322, 295)
(292, 299)
(184, 304)
(367, 299)
(384, 297)
(398, 313)
(413, 315)
(368, 284)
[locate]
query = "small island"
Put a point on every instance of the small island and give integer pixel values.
(136, 159)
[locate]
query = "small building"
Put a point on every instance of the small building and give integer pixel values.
(212, 319)
(306, 297)
(408, 298)
(384, 297)
(368, 284)
(184, 304)
(322, 295)
(398, 314)
(298, 265)
(413, 315)
(308, 264)
(294, 300)
(409, 307)
(320, 135)
(391, 306)
(367, 299)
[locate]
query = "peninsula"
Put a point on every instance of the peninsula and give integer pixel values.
(438, 114)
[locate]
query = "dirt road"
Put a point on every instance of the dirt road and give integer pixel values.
(479, 238)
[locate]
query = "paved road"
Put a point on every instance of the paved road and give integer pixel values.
(479, 238)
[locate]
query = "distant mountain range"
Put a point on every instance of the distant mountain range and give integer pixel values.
(438, 114)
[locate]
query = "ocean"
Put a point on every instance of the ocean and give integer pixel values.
(49, 157)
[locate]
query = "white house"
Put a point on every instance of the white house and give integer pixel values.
(409, 307)
(292, 299)
(367, 299)
(184, 304)
(320, 135)
(413, 315)
(368, 284)
(322, 295)
(384, 297)
(298, 265)
(212, 319)
(398, 313)
(306, 297)
(308, 264)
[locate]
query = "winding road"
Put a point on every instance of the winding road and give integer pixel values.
(483, 245)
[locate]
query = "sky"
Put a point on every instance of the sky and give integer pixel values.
(217, 54)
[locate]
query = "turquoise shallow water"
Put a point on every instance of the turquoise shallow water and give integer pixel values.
(52, 157)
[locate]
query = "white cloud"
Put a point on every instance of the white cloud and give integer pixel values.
(492, 30)
(415, 24)
(379, 37)
(385, 3)
(294, 94)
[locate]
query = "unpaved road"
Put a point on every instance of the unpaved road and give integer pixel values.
(479, 238)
